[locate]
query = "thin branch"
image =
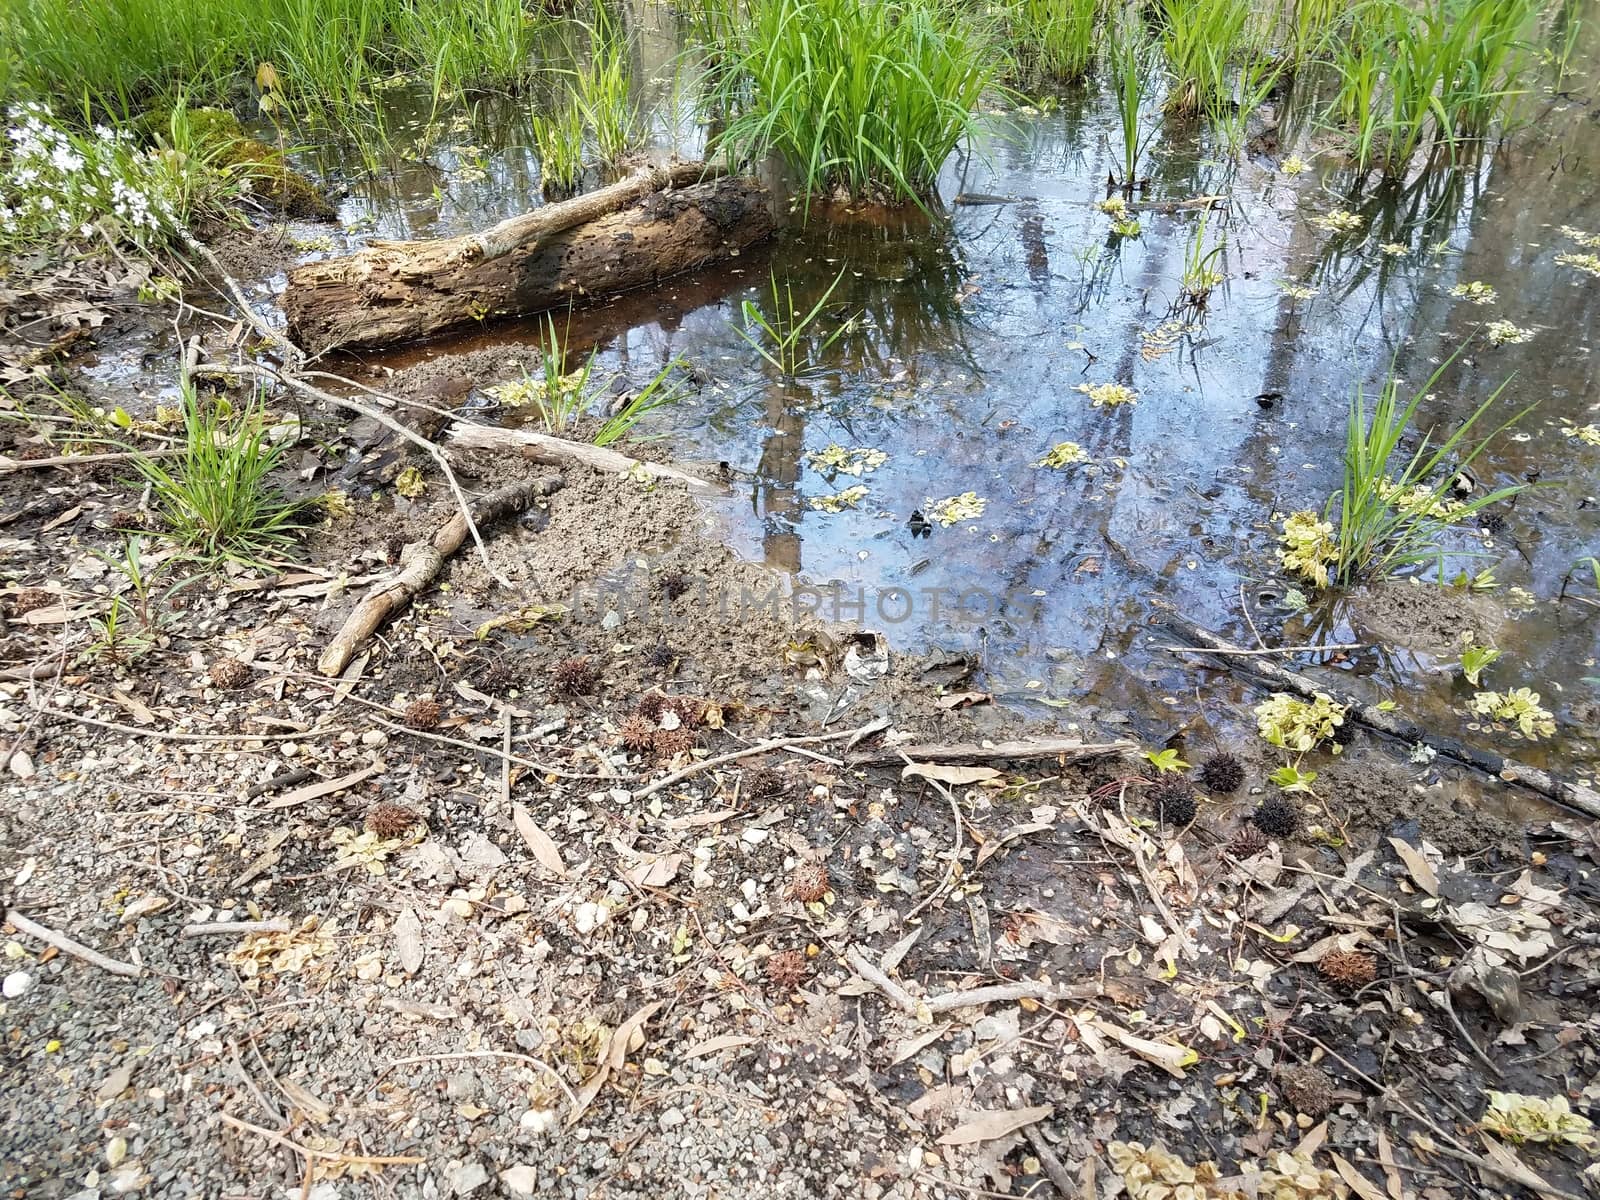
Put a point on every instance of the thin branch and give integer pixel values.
(758, 748)
(67, 946)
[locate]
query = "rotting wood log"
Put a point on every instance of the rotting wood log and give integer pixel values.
(1070, 749)
(559, 452)
(420, 563)
(658, 223)
(1576, 796)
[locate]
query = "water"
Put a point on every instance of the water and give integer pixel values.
(970, 330)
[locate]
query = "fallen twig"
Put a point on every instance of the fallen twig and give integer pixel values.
(1268, 649)
(67, 946)
(866, 730)
(1002, 993)
(461, 1054)
(543, 448)
(420, 563)
(1053, 1166)
(167, 735)
(1070, 749)
(309, 1152)
(9, 465)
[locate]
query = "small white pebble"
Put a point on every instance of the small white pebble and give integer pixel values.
(16, 984)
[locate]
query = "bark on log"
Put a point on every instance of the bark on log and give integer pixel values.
(420, 562)
(559, 452)
(1576, 796)
(629, 235)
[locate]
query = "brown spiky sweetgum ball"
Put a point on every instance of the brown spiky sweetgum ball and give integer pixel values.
(1306, 1090)
(1276, 817)
(1222, 773)
(1349, 969)
(662, 657)
(423, 714)
(575, 676)
(637, 733)
(1248, 842)
(787, 969)
(1174, 800)
(690, 709)
(651, 705)
(29, 599)
(765, 783)
(809, 883)
(387, 820)
(495, 677)
(229, 674)
(669, 743)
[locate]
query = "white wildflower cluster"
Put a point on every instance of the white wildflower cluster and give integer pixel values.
(57, 185)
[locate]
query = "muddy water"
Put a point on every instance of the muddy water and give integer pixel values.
(966, 334)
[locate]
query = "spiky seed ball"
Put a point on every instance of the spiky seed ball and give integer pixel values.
(423, 714)
(674, 584)
(1221, 773)
(765, 783)
(669, 743)
(229, 674)
(393, 548)
(387, 820)
(29, 599)
(1349, 969)
(809, 883)
(661, 658)
(787, 969)
(1174, 801)
(495, 677)
(1276, 817)
(651, 705)
(1248, 842)
(690, 709)
(637, 734)
(1306, 1090)
(1345, 732)
(575, 676)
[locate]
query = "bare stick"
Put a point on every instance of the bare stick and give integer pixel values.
(8, 465)
(870, 972)
(1071, 749)
(368, 1160)
(1053, 1166)
(954, 868)
(543, 448)
(1005, 993)
(212, 928)
(758, 748)
(67, 946)
(163, 735)
(421, 563)
(1268, 649)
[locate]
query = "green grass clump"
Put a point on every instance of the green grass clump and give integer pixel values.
(1053, 39)
(864, 100)
(558, 141)
(1382, 521)
(1428, 77)
(1201, 38)
(214, 497)
(604, 93)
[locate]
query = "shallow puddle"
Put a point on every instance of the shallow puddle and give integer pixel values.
(969, 336)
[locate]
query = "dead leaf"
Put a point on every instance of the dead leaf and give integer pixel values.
(1169, 1057)
(115, 1084)
(656, 871)
(993, 1125)
(71, 514)
(1312, 1142)
(1359, 1184)
(326, 787)
(897, 952)
(545, 850)
(1390, 1171)
(726, 1041)
(995, 844)
(951, 773)
(916, 1045)
(1505, 1157)
(309, 1104)
(615, 1054)
(408, 941)
(1424, 874)
(963, 699)
(699, 820)
(140, 713)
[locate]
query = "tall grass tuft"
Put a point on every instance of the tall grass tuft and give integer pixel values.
(778, 332)
(558, 141)
(1131, 72)
(866, 100)
(215, 497)
(604, 92)
(1053, 39)
(1202, 38)
(1387, 520)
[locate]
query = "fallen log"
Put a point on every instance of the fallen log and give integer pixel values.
(657, 223)
(420, 563)
(559, 452)
(1576, 796)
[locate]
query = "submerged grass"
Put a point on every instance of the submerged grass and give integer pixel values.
(864, 100)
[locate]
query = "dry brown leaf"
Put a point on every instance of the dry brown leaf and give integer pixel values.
(951, 773)
(699, 820)
(408, 941)
(1169, 1057)
(545, 850)
(993, 1125)
(963, 699)
(325, 787)
(656, 872)
(307, 1102)
(1390, 1171)
(726, 1041)
(1312, 1142)
(916, 1045)
(1359, 1183)
(612, 1058)
(1424, 874)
